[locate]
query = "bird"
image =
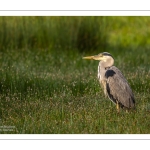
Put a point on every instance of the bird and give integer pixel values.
(113, 82)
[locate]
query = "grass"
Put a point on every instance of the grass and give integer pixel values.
(83, 33)
(40, 97)
(52, 90)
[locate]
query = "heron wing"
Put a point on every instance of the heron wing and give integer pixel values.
(118, 88)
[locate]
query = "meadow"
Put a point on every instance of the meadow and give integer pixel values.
(47, 88)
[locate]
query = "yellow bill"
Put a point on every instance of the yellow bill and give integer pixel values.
(96, 57)
(88, 57)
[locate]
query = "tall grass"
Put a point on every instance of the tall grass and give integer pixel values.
(46, 87)
(59, 32)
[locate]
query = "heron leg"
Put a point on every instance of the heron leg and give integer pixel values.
(118, 108)
(127, 111)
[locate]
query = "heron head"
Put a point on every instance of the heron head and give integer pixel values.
(102, 56)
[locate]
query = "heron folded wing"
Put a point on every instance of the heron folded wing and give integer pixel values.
(118, 88)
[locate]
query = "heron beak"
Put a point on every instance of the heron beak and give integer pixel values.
(96, 57)
(88, 57)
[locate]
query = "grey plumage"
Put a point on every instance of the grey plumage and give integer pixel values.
(118, 88)
(113, 82)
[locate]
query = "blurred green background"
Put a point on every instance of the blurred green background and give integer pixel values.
(46, 87)
(81, 33)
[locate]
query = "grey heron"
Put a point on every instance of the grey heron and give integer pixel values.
(112, 81)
